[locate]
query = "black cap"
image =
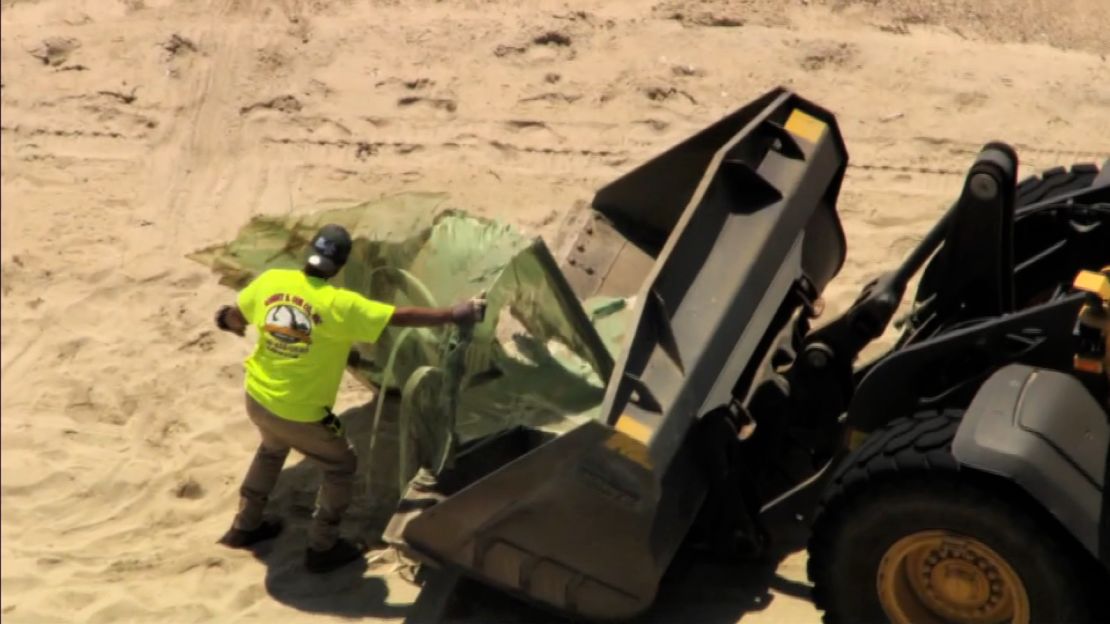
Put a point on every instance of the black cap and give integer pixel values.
(330, 248)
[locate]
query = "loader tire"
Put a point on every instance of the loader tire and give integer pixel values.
(904, 534)
(1053, 182)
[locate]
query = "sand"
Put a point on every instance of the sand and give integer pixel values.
(135, 131)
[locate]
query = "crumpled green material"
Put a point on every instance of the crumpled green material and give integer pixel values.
(540, 358)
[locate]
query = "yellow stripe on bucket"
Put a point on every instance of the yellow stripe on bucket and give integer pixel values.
(633, 428)
(628, 448)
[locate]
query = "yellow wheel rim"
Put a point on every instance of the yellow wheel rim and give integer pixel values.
(937, 577)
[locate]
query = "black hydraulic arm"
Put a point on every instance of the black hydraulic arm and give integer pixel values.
(981, 217)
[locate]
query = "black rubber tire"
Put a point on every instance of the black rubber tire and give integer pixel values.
(904, 479)
(1053, 182)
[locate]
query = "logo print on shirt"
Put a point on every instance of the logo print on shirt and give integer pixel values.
(289, 324)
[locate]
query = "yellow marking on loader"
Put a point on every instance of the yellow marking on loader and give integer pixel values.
(856, 439)
(1092, 282)
(633, 428)
(805, 125)
(1088, 365)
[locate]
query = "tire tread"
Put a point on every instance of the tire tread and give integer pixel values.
(1055, 181)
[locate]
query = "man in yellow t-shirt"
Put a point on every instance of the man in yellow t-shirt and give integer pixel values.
(306, 328)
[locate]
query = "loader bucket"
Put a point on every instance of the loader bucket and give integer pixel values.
(736, 219)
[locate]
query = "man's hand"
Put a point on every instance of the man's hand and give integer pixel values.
(230, 319)
(465, 313)
(469, 312)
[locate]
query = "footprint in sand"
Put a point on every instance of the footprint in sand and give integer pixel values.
(820, 55)
(189, 489)
(551, 45)
(54, 51)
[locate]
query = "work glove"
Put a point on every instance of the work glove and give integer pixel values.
(469, 312)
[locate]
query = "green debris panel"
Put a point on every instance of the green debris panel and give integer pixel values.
(541, 357)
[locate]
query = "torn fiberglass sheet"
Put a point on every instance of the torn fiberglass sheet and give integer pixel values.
(541, 358)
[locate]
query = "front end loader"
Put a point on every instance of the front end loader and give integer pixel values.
(729, 399)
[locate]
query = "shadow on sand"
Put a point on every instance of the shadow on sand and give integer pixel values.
(695, 589)
(349, 591)
(346, 592)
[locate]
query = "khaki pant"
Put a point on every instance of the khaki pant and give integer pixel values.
(331, 451)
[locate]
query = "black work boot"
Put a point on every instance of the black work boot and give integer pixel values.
(240, 538)
(339, 555)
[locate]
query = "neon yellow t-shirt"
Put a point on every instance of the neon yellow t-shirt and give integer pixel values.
(305, 330)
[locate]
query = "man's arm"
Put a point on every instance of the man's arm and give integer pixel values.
(465, 313)
(421, 317)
